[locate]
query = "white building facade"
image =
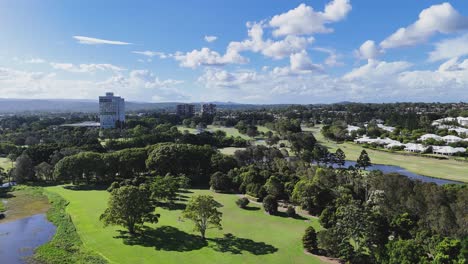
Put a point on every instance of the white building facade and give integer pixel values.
(111, 111)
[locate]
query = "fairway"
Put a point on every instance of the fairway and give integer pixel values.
(6, 164)
(445, 169)
(255, 237)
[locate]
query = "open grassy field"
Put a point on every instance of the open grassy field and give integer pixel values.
(255, 237)
(444, 169)
(6, 164)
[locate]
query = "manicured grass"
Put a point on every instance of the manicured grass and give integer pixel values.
(444, 169)
(230, 131)
(229, 150)
(183, 128)
(255, 237)
(6, 164)
(66, 245)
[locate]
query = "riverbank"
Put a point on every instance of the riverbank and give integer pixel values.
(22, 202)
(442, 169)
(66, 245)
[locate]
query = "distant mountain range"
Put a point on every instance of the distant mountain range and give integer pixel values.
(91, 106)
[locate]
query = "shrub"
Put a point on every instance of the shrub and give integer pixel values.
(270, 204)
(309, 240)
(242, 202)
(291, 212)
(113, 186)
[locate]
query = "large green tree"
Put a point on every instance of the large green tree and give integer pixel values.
(203, 211)
(363, 161)
(129, 206)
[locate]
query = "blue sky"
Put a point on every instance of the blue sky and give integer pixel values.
(243, 51)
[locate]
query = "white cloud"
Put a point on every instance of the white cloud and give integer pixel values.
(442, 18)
(210, 38)
(304, 20)
(207, 57)
(377, 81)
(85, 68)
(274, 49)
(333, 58)
(222, 78)
(300, 63)
(140, 85)
(151, 54)
(96, 41)
(35, 61)
(368, 50)
(377, 69)
(450, 48)
(453, 65)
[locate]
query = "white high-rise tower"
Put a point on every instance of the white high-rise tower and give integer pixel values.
(111, 111)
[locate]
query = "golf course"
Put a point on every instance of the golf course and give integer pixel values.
(449, 169)
(248, 235)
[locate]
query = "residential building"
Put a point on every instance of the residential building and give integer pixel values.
(451, 139)
(447, 150)
(428, 136)
(208, 109)
(185, 110)
(386, 128)
(351, 128)
(412, 147)
(111, 111)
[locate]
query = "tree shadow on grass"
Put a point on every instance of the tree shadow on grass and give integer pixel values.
(236, 245)
(165, 238)
(251, 208)
(83, 187)
(173, 206)
(296, 216)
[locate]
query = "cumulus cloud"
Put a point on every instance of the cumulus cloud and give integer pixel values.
(142, 85)
(377, 81)
(304, 20)
(85, 68)
(151, 54)
(210, 38)
(35, 61)
(222, 78)
(207, 57)
(368, 50)
(377, 69)
(450, 48)
(96, 41)
(299, 63)
(270, 48)
(442, 18)
(333, 58)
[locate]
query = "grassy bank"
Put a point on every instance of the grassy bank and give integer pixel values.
(443, 169)
(66, 245)
(248, 236)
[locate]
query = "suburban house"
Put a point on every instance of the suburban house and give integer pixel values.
(447, 150)
(429, 136)
(451, 139)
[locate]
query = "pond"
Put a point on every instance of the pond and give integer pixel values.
(395, 169)
(19, 238)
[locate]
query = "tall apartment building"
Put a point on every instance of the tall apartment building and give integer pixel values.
(111, 111)
(186, 110)
(208, 109)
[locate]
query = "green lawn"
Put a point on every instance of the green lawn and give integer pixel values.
(229, 150)
(444, 169)
(230, 131)
(6, 164)
(255, 236)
